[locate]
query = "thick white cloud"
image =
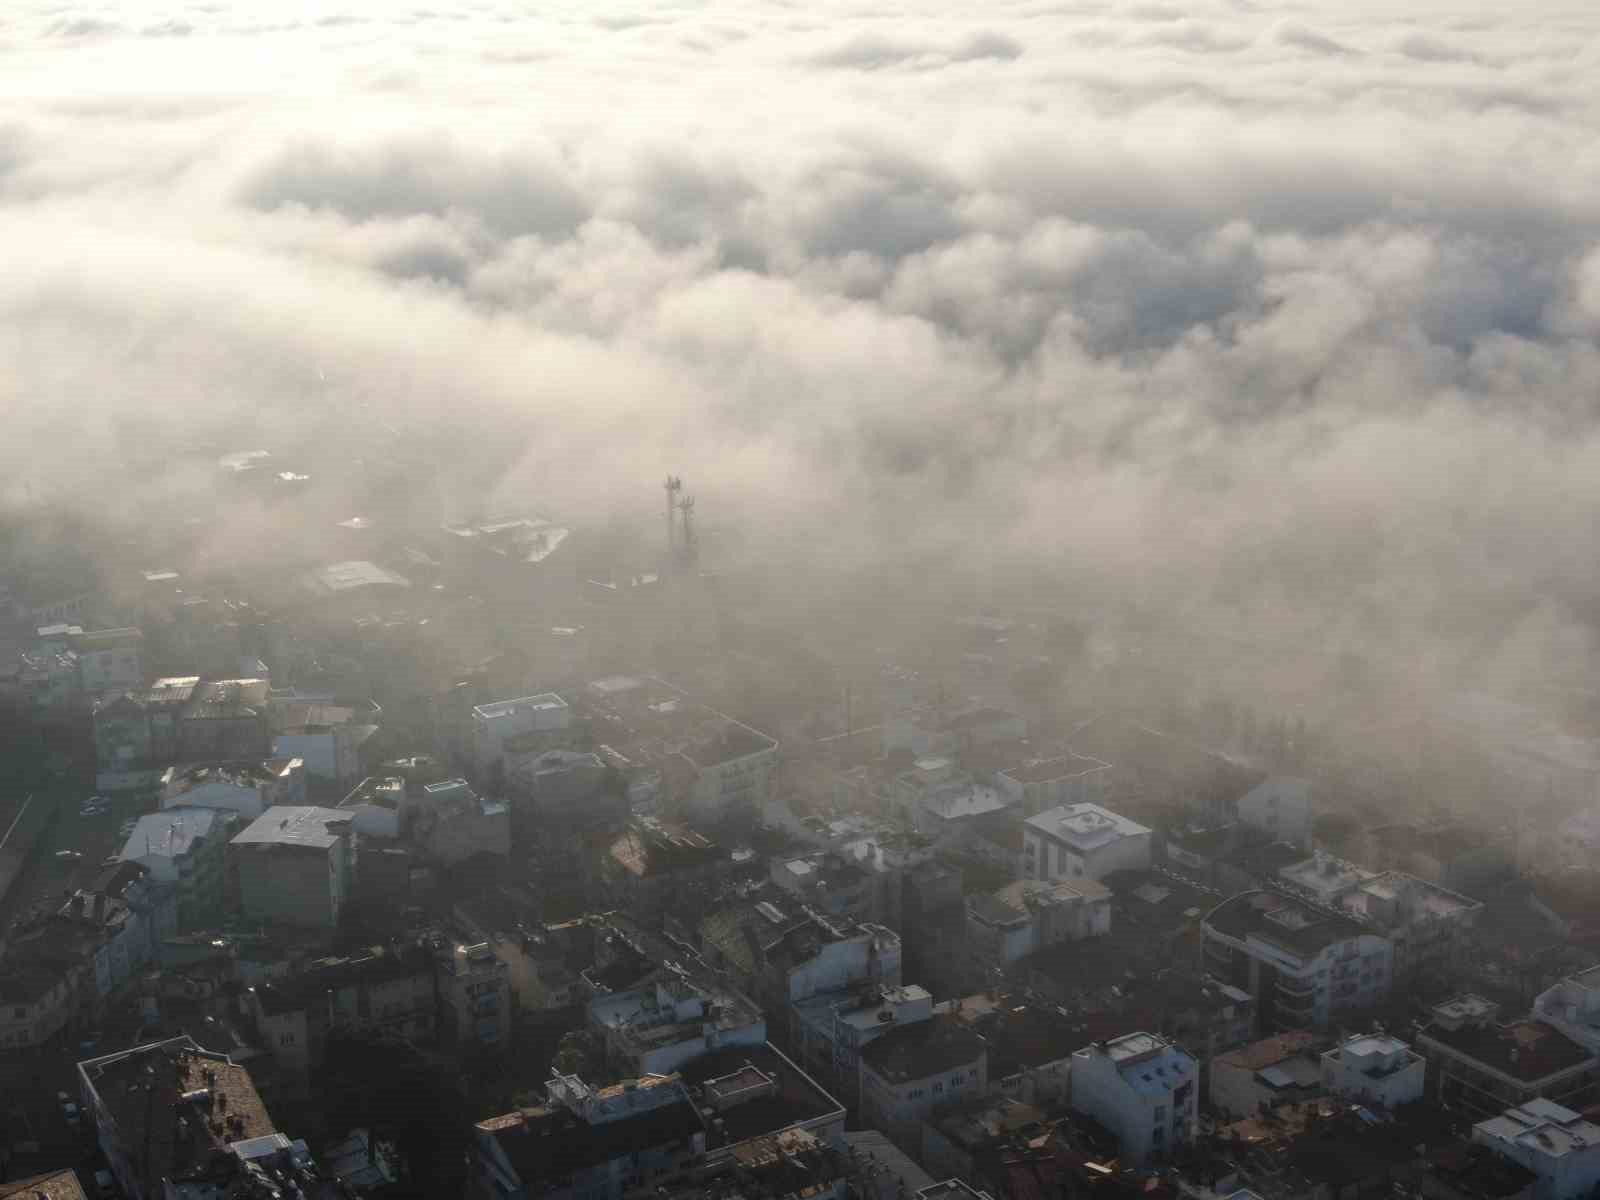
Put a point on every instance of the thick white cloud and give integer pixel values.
(1296, 314)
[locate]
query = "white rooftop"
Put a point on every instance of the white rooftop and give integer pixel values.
(295, 825)
(171, 833)
(1085, 826)
(544, 702)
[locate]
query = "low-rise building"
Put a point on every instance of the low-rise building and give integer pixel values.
(454, 824)
(1045, 783)
(227, 719)
(1305, 965)
(1280, 806)
(110, 658)
(730, 771)
(834, 1027)
(909, 1071)
(185, 848)
(1375, 1069)
(1480, 1067)
(328, 738)
(1324, 879)
(1082, 841)
(945, 730)
(36, 1002)
(831, 883)
(161, 1109)
(1573, 1006)
(968, 1140)
(534, 723)
(1008, 925)
(944, 804)
(1430, 926)
(136, 732)
(246, 788)
(1274, 1070)
(1560, 1147)
(52, 1185)
(294, 866)
(1143, 1089)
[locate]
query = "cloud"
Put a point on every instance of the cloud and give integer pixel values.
(1288, 325)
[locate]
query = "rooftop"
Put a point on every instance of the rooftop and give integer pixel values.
(1016, 901)
(226, 699)
(1324, 873)
(191, 1101)
(1268, 1051)
(295, 825)
(1543, 1127)
(1046, 770)
(1529, 1051)
(499, 709)
(342, 577)
(1085, 826)
(1282, 921)
(793, 1097)
(381, 791)
(56, 1185)
(172, 832)
(926, 1048)
(734, 741)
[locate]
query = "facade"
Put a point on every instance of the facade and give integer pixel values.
(944, 805)
(934, 731)
(829, 882)
(834, 1027)
(1082, 841)
(376, 806)
(185, 848)
(36, 1002)
(1375, 1068)
(911, 1070)
(453, 823)
(226, 719)
(1143, 1089)
(655, 1029)
(295, 866)
(1559, 1146)
(1305, 966)
(474, 997)
(245, 788)
(328, 738)
(1008, 925)
(1430, 926)
(136, 732)
(1282, 1068)
(1480, 1067)
(1045, 783)
(1324, 879)
(529, 723)
(160, 1109)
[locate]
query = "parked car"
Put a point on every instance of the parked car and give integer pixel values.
(69, 1109)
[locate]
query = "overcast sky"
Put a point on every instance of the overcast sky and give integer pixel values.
(1291, 305)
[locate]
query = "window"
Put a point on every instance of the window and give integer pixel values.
(1161, 1112)
(1158, 1135)
(19, 1013)
(938, 1087)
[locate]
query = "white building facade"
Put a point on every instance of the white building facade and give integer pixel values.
(1082, 841)
(1143, 1089)
(1375, 1068)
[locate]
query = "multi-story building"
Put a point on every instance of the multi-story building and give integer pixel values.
(389, 989)
(730, 771)
(474, 996)
(136, 732)
(1560, 1147)
(834, 1027)
(110, 659)
(247, 788)
(1375, 1069)
(453, 823)
(294, 866)
(1082, 841)
(185, 848)
(1430, 926)
(1306, 966)
(830, 883)
(36, 1002)
(162, 1109)
(1283, 1068)
(1323, 879)
(1478, 1066)
(531, 723)
(1045, 783)
(1280, 806)
(1143, 1089)
(1573, 1006)
(909, 1071)
(656, 1028)
(329, 738)
(226, 719)
(1028, 915)
(948, 806)
(934, 731)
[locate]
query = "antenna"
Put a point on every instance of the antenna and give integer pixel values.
(686, 507)
(673, 486)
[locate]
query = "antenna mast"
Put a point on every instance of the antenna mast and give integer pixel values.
(673, 486)
(686, 507)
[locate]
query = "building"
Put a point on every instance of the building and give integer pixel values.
(1045, 783)
(834, 1027)
(970, 1139)
(246, 788)
(1324, 879)
(1143, 1089)
(110, 659)
(939, 731)
(730, 772)
(53, 1185)
(377, 807)
(227, 719)
(453, 824)
(527, 725)
(1573, 1007)
(1480, 1067)
(1030, 1045)
(911, 1070)
(136, 732)
(558, 790)
(294, 866)
(949, 807)
(1282, 1068)
(1006, 926)
(187, 849)
(1430, 926)
(328, 738)
(388, 989)
(162, 1109)
(1375, 1069)
(1306, 966)
(1082, 841)
(1281, 807)
(831, 883)
(655, 1029)
(36, 1002)
(1559, 1146)
(474, 997)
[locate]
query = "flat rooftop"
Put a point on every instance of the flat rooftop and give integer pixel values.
(1085, 826)
(296, 825)
(1047, 770)
(497, 709)
(731, 743)
(1529, 1051)
(1282, 921)
(172, 832)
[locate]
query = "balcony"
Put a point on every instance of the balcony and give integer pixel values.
(1287, 985)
